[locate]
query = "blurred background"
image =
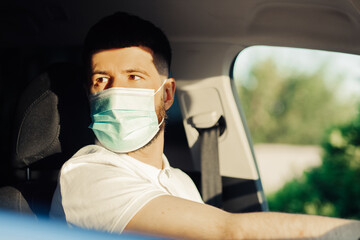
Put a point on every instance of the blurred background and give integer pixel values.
(303, 111)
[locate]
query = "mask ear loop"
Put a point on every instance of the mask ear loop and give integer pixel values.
(156, 93)
(160, 87)
(161, 122)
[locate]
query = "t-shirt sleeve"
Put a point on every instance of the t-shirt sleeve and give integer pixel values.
(102, 197)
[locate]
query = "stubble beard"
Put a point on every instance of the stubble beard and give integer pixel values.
(161, 116)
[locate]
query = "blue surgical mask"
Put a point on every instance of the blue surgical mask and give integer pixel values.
(124, 119)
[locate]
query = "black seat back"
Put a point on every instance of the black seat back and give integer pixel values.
(11, 199)
(52, 122)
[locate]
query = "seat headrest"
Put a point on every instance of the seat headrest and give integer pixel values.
(52, 118)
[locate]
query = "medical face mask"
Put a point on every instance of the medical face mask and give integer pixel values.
(124, 119)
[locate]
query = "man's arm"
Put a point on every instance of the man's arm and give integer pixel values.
(175, 217)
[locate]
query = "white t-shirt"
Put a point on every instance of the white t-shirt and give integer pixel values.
(103, 190)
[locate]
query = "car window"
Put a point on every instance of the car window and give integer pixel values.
(301, 105)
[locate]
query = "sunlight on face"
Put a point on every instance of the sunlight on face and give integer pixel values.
(130, 67)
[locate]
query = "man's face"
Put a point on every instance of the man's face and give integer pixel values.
(130, 67)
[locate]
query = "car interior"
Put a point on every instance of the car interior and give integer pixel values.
(44, 106)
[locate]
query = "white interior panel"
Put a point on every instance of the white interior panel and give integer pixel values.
(215, 95)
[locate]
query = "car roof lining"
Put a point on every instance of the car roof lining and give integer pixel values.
(318, 24)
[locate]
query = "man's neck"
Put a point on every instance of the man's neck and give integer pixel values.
(151, 154)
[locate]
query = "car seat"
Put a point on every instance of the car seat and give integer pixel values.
(11, 199)
(50, 126)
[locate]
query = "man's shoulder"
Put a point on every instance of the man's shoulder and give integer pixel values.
(94, 167)
(91, 150)
(94, 157)
(95, 154)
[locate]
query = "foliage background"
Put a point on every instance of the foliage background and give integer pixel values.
(296, 107)
(333, 189)
(291, 106)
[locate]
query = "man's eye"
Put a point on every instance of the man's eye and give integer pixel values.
(102, 80)
(135, 77)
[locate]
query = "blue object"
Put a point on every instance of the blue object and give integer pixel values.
(19, 227)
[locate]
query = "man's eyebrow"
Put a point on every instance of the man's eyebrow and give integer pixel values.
(139, 70)
(99, 72)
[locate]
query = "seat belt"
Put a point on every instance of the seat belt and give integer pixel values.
(211, 185)
(209, 130)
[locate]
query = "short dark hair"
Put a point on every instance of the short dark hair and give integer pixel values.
(122, 30)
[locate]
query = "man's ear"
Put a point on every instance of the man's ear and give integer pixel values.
(169, 93)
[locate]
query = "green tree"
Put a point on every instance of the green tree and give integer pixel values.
(288, 106)
(333, 188)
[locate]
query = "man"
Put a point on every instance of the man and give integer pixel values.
(124, 182)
